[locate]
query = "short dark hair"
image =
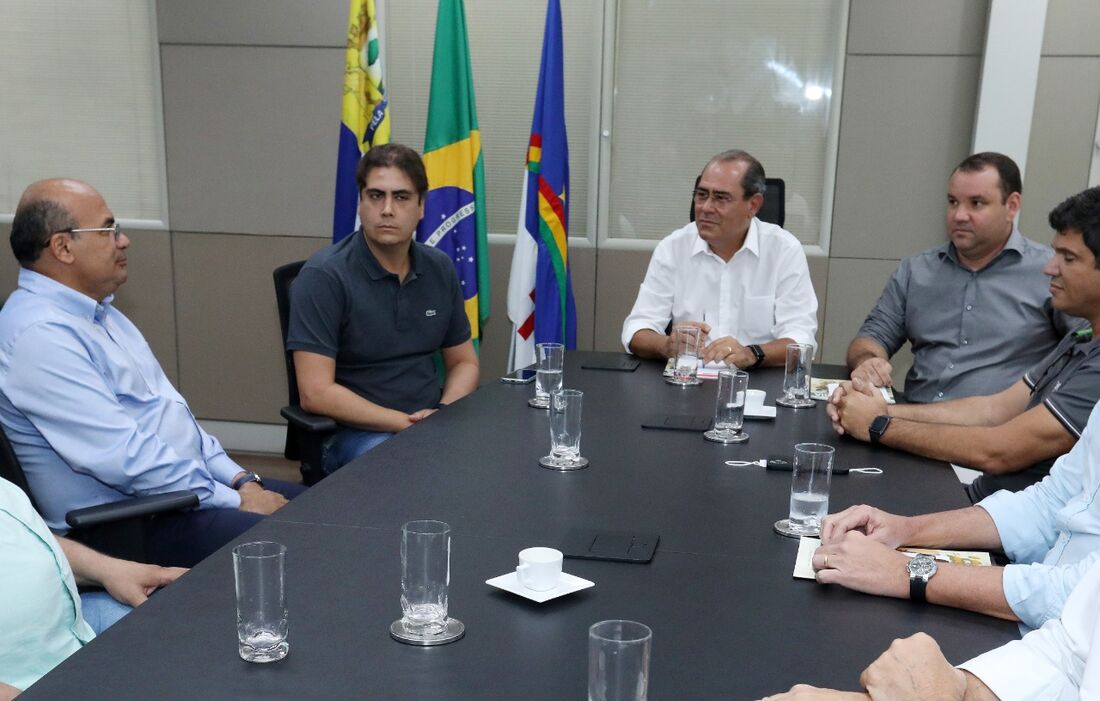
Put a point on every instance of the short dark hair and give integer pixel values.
(33, 225)
(1007, 170)
(397, 156)
(752, 180)
(1080, 213)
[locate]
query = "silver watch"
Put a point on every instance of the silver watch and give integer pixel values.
(921, 569)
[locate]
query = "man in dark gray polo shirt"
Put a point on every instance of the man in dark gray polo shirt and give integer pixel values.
(976, 309)
(1015, 435)
(368, 313)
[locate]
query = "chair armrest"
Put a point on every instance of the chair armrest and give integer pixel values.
(304, 420)
(131, 508)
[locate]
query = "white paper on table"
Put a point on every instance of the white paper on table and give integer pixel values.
(803, 561)
(884, 391)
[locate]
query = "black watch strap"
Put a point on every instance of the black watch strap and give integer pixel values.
(759, 353)
(878, 427)
(245, 479)
(917, 588)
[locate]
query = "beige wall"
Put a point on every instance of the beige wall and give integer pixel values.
(251, 117)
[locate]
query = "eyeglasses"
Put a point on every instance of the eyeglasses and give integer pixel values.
(115, 231)
(721, 199)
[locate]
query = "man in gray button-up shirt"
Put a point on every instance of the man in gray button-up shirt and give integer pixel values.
(976, 309)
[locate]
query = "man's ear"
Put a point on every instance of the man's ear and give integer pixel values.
(756, 202)
(59, 246)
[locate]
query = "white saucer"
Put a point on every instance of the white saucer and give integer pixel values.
(566, 585)
(760, 412)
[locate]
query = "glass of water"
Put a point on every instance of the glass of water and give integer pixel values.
(687, 340)
(550, 361)
(618, 661)
(425, 583)
(565, 431)
(258, 571)
(796, 376)
(729, 408)
(810, 478)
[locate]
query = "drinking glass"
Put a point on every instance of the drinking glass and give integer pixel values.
(618, 661)
(796, 376)
(258, 571)
(565, 431)
(425, 581)
(729, 408)
(810, 478)
(549, 362)
(687, 340)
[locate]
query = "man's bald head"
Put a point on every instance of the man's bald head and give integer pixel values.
(44, 209)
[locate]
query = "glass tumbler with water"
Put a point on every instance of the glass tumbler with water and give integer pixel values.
(796, 376)
(565, 427)
(618, 661)
(258, 572)
(550, 361)
(810, 478)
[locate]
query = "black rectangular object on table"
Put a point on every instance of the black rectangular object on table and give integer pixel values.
(678, 422)
(617, 546)
(616, 363)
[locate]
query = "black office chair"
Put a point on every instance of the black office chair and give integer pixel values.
(774, 209)
(114, 528)
(305, 432)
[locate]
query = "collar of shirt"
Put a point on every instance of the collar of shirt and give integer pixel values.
(76, 303)
(1015, 243)
(752, 244)
(375, 269)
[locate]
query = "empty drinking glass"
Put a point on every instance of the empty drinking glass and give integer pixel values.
(729, 408)
(796, 376)
(258, 572)
(425, 583)
(618, 661)
(565, 431)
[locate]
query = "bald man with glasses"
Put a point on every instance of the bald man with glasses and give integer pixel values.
(745, 282)
(83, 401)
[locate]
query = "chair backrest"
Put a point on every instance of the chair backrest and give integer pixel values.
(774, 210)
(11, 470)
(283, 276)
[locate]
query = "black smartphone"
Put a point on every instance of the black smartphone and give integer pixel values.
(519, 377)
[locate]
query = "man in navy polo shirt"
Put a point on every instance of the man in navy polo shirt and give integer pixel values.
(368, 313)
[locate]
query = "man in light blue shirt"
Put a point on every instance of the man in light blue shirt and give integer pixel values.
(43, 619)
(86, 405)
(1050, 532)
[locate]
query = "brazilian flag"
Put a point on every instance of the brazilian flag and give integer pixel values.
(454, 212)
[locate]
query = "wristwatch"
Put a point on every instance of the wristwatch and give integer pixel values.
(920, 568)
(878, 427)
(759, 353)
(245, 479)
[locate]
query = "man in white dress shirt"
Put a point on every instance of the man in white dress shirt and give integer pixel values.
(1058, 662)
(745, 282)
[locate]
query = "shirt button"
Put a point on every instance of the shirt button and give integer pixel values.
(940, 394)
(969, 307)
(965, 341)
(951, 366)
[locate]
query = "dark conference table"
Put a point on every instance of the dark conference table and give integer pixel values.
(729, 621)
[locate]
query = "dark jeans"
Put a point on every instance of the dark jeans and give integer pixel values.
(184, 538)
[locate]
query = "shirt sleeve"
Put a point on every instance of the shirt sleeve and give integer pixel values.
(886, 323)
(64, 394)
(317, 302)
(1050, 663)
(1027, 523)
(795, 300)
(1075, 397)
(653, 307)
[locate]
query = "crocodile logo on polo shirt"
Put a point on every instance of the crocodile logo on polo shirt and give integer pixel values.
(430, 312)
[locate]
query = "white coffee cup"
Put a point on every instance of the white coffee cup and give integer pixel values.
(754, 399)
(539, 569)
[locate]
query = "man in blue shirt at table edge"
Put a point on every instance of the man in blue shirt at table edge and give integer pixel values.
(87, 408)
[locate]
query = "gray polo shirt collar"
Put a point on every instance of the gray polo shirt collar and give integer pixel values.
(374, 268)
(1015, 243)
